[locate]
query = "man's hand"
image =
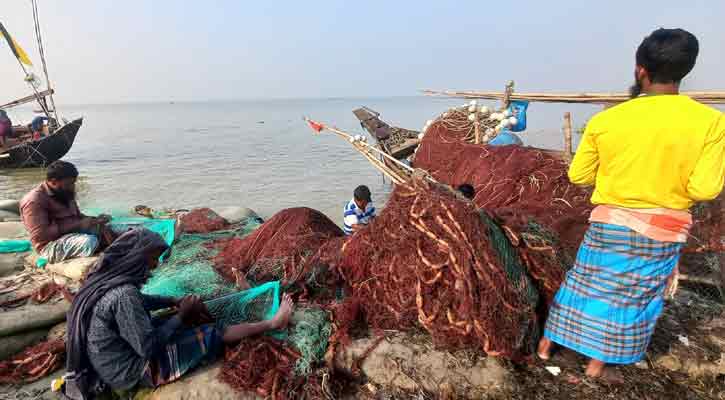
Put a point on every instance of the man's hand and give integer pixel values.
(87, 223)
(103, 219)
(358, 227)
(193, 311)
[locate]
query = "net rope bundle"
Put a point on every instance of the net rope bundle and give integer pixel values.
(33, 363)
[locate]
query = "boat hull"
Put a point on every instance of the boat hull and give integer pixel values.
(398, 142)
(40, 153)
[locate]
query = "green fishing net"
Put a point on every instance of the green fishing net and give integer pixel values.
(252, 305)
(538, 235)
(310, 334)
(515, 271)
(189, 267)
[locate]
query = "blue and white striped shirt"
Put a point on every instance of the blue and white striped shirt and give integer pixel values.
(353, 215)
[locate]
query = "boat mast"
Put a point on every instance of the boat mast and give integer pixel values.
(23, 59)
(41, 50)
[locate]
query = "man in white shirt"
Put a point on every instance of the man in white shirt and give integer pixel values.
(359, 211)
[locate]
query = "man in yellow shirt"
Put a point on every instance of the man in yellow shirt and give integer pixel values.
(649, 160)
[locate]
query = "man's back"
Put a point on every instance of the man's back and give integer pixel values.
(653, 151)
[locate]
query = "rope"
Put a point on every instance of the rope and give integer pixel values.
(41, 50)
(35, 91)
(367, 149)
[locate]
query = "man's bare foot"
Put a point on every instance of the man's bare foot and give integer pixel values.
(281, 318)
(544, 349)
(240, 280)
(598, 370)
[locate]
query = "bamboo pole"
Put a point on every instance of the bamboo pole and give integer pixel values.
(567, 136)
(367, 145)
(27, 99)
(710, 97)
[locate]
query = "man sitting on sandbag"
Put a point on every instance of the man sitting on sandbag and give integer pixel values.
(58, 230)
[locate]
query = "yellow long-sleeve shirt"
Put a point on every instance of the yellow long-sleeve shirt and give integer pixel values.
(664, 151)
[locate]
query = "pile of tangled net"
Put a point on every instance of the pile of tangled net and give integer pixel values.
(508, 180)
(282, 248)
(432, 259)
(265, 366)
(33, 363)
(202, 220)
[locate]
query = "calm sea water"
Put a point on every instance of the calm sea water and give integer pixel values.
(257, 154)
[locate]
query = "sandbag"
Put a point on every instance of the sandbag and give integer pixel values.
(11, 263)
(31, 317)
(201, 384)
(11, 206)
(235, 215)
(13, 230)
(11, 345)
(58, 331)
(6, 216)
(73, 269)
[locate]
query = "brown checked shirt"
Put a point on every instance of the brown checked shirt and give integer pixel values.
(46, 218)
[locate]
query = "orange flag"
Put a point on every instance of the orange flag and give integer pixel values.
(316, 126)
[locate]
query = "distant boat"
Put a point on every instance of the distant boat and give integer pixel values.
(22, 149)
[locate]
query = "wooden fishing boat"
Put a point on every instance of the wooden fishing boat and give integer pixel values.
(398, 142)
(24, 148)
(43, 151)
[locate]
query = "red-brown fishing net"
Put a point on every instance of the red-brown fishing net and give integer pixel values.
(39, 295)
(265, 366)
(704, 254)
(282, 248)
(508, 179)
(708, 230)
(202, 220)
(431, 259)
(33, 363)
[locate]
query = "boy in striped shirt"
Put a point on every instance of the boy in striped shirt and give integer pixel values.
(359, 211)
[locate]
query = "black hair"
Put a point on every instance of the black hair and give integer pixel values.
(668, 55)
(61, 170)
(467, 191)
(362, 193)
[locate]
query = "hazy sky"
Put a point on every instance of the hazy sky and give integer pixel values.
(103, 51)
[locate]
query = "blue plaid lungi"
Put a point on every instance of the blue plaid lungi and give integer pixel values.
(186, 350)
(610, 301)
